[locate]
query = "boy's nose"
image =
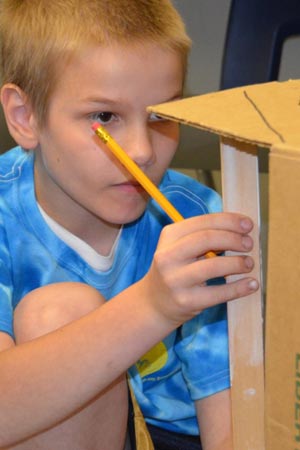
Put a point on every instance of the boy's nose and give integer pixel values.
(139, 146)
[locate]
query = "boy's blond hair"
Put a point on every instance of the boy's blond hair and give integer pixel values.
(38, 38)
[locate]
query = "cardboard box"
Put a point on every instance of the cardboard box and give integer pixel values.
(283, 311)
(265, 385)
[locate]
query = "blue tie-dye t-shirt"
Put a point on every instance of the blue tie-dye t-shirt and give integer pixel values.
(189, 364)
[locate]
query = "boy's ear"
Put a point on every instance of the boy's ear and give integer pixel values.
(19, 116)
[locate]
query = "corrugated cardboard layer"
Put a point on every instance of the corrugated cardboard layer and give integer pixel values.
(283, 302)
(261, 114)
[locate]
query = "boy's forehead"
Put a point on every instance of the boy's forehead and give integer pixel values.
(121, 53)
(118, 68)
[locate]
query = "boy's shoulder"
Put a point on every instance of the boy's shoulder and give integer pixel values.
(14, 165)
(189, 195)
(11, 163)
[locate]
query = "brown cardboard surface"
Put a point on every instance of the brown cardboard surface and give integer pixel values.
(267, 115)
(261, 114)
(283, 302)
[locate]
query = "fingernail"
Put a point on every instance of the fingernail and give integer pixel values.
(249, 263)
(247, 242)
(253, 285)
(246, 224)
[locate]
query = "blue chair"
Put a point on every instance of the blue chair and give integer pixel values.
(255, 35)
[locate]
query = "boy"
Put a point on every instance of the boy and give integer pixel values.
(77, 230)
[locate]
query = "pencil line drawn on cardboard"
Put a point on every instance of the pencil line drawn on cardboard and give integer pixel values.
(262, 116)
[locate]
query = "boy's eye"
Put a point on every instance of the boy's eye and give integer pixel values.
(103, 117)
(155, 118)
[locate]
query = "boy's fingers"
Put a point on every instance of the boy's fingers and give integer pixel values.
(218, 221)
(219, 241)
(201, 271)
(195, 245)
(223, 266)
(239, 288)
(208, 296)
(225, 220)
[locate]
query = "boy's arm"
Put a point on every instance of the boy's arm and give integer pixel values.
(214, 417)
(53, 376)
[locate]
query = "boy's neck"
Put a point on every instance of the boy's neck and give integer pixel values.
(95, 259)
(86, 226)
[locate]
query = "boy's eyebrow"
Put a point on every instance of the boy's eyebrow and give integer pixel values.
(109, 101)
(100, 100)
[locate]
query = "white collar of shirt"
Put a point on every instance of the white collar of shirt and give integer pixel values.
(90, 256)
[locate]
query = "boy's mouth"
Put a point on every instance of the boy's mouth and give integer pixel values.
(130, 186)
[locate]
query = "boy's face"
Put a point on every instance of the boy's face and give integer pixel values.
(78, 180)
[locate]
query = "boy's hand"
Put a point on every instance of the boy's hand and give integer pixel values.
(179, 272)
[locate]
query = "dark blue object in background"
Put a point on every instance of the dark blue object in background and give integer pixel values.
(255, 35)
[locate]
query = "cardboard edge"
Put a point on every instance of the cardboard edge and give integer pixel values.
(286, 150)
(221, 133)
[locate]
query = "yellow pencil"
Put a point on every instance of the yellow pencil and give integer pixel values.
(139, 175)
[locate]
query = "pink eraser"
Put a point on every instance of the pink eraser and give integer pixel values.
(95, 126)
